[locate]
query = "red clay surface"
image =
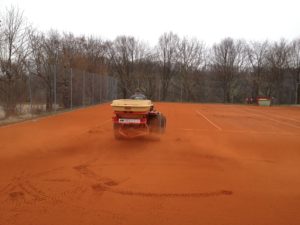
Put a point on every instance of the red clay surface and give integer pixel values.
(216, 164)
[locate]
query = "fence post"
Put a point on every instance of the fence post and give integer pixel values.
(100, 88)
(83, 88)
(30, 93)
(115, 89)
(71, 87)
(93, 88)
(181, 90)
(159, 83)
(55, 74)
(54, 90)
(107, 87)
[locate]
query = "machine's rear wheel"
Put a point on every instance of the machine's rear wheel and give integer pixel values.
(158, 124)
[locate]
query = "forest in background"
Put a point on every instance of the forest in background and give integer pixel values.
(61, 70)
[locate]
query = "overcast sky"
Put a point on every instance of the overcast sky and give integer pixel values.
(207, 20)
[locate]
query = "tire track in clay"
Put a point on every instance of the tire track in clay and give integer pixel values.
(106, 187)
(24, 190)
(21, 191)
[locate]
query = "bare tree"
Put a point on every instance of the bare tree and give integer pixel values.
(191, 58)
(167, 52)
(257, 56)
(147, 74)
(124, 52)
(295, 67)
(176, 69)
(95, 50)
(277, 57)
(228, 59)
(45, 62)
(13, 54)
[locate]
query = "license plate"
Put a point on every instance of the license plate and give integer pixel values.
(122, 120)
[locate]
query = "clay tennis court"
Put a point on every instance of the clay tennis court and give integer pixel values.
(216, 164)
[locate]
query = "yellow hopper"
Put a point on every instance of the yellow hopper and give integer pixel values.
(132, 105)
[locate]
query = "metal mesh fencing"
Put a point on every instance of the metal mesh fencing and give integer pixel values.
(67, 90)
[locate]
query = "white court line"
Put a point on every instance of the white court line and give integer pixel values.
(280, 117)
(242, 131)
(212, 123)
(272, 119)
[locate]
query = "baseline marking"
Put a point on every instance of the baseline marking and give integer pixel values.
(212, 123)
(275, 116)
(272, 119)
(241, 131)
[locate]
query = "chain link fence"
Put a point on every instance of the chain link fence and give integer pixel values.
(67, 90)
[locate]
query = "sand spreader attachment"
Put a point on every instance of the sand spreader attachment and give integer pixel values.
(134, 118)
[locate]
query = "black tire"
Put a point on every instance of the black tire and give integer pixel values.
(163, 123)
(157, 124)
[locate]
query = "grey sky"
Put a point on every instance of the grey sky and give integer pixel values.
(209, 20)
